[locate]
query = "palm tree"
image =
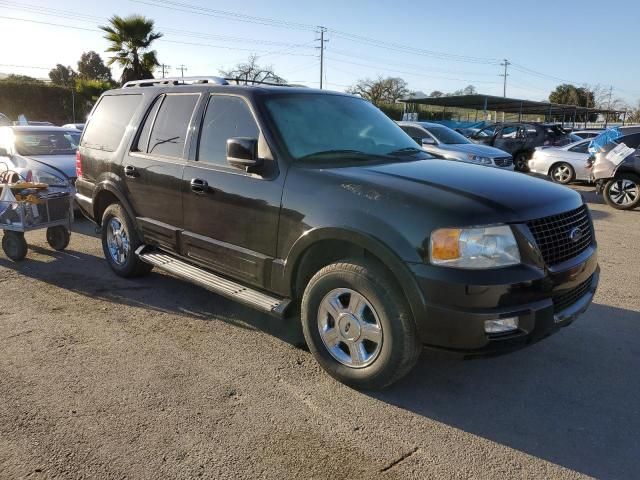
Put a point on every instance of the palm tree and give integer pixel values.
(131, 38)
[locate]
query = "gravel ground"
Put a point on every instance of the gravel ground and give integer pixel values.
(102, 377)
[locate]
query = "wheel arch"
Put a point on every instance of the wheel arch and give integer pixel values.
(320, 247)
(107, 193)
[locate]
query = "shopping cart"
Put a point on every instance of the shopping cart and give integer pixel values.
(35, 209)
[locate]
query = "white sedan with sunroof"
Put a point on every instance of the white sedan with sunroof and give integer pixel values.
(562, 164)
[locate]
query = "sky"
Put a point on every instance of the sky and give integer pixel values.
(432, 45)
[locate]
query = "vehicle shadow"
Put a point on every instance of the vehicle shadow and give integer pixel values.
(90, 276)
(572, 399)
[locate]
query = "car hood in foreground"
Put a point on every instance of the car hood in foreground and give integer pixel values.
(466, 194)
(475, 149)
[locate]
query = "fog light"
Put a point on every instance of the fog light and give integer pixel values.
(502, 325)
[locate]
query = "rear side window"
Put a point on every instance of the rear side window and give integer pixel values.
(172, 122)
(143, 140)
(109, 121)
(227, 117)
(631, 141)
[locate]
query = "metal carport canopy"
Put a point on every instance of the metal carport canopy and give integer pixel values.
(507, 105)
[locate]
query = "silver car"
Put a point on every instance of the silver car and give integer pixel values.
(443, 141)
(45, 154)
(563, 164)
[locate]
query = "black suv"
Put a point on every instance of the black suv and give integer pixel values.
(299, 201)
(521, 139)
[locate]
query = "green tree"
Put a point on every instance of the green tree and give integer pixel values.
(568, 94)
(91, 67)
(130, 41)
(62, 76)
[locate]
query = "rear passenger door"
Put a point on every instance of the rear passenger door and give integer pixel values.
(153, 168)
(510, 138)
(230, 215)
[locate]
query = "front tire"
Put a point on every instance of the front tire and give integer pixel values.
(358, 326)
(623, 192)
(562, 173)
(120, 242)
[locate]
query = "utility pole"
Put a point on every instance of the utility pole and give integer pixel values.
(321, 47)
(182, 68)
(505, 64)
(165, 69)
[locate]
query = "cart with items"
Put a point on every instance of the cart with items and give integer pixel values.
(26, 206)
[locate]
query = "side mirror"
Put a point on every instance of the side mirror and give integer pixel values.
(428, 141)
(242, 153)
(4, 152)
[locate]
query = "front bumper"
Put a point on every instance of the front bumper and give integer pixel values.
(457, 303)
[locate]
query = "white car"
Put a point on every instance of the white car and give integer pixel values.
(562, 164)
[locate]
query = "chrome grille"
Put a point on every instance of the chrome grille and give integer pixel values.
(554, 235)
(565, 300)
(503, 161)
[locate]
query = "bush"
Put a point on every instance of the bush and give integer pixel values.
(43, 102)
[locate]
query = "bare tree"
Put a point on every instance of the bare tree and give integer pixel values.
(250, 72)
(380, 90)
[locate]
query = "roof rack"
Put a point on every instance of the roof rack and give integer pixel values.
(156, 82)
(243, 81)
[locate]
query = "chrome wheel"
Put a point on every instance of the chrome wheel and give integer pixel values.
(118, 241)
(562, 173)
(350, 328)
(624, 192)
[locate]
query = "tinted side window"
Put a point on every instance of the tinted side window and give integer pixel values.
(631, 141)
(143, 140)
(226, 117)
(170, 128)
(580, 148)
(510, 131)
(109, 121)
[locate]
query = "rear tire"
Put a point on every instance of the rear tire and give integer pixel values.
(521, 161)
(120, 242)
(358, 326)
(14, 245)
(58, 237)
(623, 192)
(562, 173)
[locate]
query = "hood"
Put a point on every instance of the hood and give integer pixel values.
(468, 194)
(66, 163)
(475, 149)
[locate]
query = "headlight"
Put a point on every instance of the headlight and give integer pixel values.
(474, 248)
(49, 178)
(480, 160)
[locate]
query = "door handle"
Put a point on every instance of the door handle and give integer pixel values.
(198, 185)
(130, 171)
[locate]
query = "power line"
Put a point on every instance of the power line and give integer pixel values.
(182, 68)
(195, 9)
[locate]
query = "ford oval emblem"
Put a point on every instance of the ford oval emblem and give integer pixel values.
(575, 234)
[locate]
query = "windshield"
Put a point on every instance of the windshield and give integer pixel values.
(447, 136)
(46, 143)
(316, 124)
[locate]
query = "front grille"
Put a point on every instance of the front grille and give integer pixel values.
(503, 161)
(565, 300)
(554, 235)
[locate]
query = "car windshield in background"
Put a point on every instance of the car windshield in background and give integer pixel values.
(447, 136)
(315, 126)
(46, 143)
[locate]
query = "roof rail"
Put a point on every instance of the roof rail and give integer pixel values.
(156, 82)
(243, 81)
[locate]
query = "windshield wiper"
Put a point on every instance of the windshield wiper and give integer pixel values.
(332, 153)
(405, 150)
